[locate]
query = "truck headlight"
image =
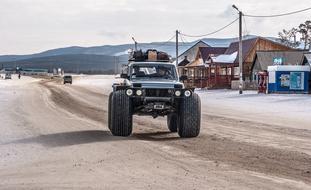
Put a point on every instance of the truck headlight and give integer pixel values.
(129, 92)
(177, 93)
(139, 92)
(187, 93)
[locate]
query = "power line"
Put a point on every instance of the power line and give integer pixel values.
(208, 34)
(184, 42)
(164, 43)
(277, 15)
(245, 27)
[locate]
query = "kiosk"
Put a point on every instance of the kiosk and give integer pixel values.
(288, 79)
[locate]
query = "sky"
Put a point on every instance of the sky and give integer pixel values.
(31, 26)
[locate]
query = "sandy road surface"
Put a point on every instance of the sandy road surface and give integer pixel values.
(55, 136)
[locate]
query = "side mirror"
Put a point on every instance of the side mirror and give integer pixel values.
(183, 77)
(124, 76)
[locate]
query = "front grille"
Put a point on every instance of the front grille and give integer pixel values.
(157, 93)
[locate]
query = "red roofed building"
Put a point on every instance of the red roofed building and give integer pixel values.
(196, 71)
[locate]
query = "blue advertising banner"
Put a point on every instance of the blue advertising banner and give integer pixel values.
(297, 80)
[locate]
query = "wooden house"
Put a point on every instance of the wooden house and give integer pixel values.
(308, 57)
(263, 59)
(197, 71)
(218, 67)
(191, 52)
(249, 49)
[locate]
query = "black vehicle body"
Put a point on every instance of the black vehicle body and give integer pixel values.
(157, 96)
(67, 79)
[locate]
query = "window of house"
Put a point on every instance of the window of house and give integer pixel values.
(185, 71)
(236, 71)
(229, 71)
(222, 71)
(191, 73)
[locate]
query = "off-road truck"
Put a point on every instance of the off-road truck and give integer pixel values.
(152, 87)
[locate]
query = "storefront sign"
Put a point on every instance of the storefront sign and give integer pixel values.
(278, 61)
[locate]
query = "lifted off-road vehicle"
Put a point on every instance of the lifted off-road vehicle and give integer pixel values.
(152, 87)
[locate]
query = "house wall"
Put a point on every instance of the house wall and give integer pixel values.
(261, 45)
(191, 53)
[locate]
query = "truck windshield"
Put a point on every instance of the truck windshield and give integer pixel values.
(153, 71)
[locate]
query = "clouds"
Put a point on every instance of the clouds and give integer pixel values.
(29, 26)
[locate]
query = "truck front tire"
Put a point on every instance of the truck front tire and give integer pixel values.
(121, 118)
(189, 119)
(172, 122)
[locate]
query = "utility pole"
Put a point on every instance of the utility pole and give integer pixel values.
(135, 43)
(118, 64)
(177, 32)
(115, 65)
(240, 51)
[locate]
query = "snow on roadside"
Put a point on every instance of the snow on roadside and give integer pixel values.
(17, 82)
(102, 82)
(292, 110)
(284, 109)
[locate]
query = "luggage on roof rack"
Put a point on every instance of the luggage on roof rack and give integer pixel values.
(150, 55)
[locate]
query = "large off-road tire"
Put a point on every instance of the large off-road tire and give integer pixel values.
(172, 122)
(189, 116)
(121, 114)
(109, 110)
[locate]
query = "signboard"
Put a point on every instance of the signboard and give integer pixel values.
(278, 61)
(296, 81)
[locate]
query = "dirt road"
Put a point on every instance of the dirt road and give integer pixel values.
(55, 136)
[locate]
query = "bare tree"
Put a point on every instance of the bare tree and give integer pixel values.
(305, 31)
(289, 37)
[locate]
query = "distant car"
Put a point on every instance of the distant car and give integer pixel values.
(67, 79)
(7, 76)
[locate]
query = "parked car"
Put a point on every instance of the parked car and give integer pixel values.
(67, 79)
(7, 76)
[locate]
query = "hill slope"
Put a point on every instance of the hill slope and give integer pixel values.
(113, 50)
(76, 63)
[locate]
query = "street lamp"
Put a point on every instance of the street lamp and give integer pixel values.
(240, 50)
(235, 7)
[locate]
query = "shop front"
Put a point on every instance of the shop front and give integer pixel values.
(288, 79)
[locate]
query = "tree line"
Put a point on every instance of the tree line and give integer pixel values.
(296, 36)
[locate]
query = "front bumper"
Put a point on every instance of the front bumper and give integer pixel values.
(165, 95)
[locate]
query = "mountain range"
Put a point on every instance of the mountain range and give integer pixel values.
(101, 58)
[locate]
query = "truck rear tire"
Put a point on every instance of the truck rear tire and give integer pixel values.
(189, 116)
(121, 114)
(172, 122)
